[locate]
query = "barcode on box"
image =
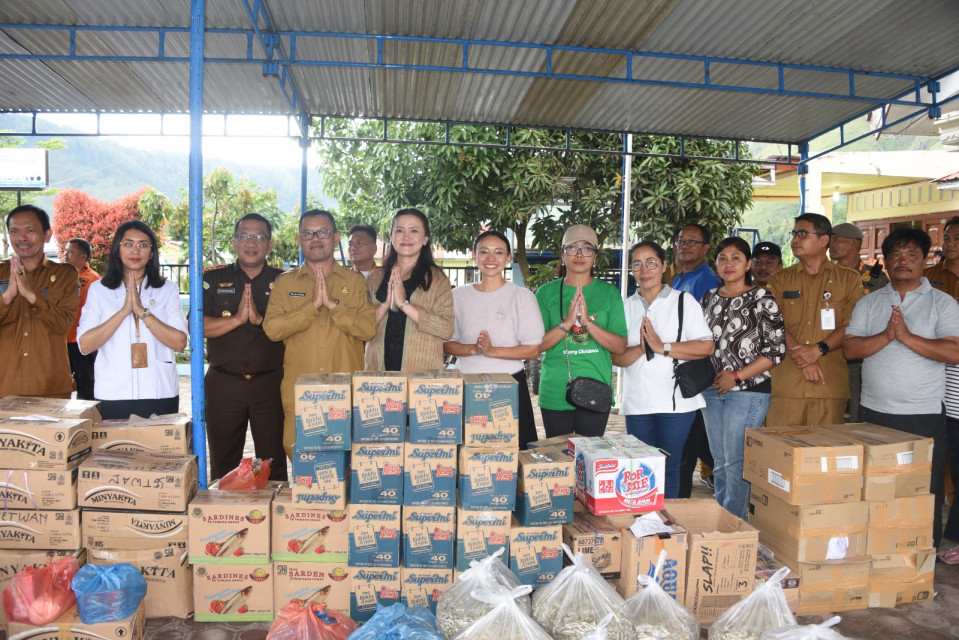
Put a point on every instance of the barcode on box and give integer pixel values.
(776, 479)
(846, 463)
(904, 457)
(714, 605)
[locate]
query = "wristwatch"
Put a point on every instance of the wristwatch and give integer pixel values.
(666, 348)
(559, 325)
(404, 303)
(146, 314)
(823, 347)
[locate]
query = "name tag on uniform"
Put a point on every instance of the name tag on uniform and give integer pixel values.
(790, 295)
(827, 319)
(231, 290)
(297, 294)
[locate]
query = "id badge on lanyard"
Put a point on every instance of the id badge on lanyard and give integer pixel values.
(138, 350)
(827, 316)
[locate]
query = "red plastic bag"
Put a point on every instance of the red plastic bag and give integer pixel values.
(311, 622)
(38, 596)
(252, 473)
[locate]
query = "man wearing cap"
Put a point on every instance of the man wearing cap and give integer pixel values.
(767, 260)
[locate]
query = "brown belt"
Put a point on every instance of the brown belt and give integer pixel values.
(245, 376)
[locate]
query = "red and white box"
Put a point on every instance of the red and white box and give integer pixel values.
(618, 474)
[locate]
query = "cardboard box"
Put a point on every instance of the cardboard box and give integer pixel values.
(803, 465)
(232, 592)
(487, 478)
(320, 478)
(38, 489)
(305, 582)
(436, 407)
(556, 441)
(809, 533)
(618, 476)
(166, 435)
(535, 553)
(323, 406)
(490, 410)
(69, 626)
(304, 533)
(56, 444)
(376, 473)
(379, 406)
(900, 524)
(134, 529)
(32, 529)
(429, 536)
(137, 481)
(479, 534)
(429, 474)
(230, 527)
(423, 587)
(374, 535)
(544, 488)
(13, 561)
(834, 586)
(898, 578)
(168, 576)
(721, 558)
(369, 587)
(597, 539)
(16, 406)
(640, 555)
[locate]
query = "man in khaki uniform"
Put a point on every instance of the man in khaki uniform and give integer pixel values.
(816, 297)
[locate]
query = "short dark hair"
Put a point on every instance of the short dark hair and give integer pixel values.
(82, 245)
(363, 228)
(312, 213)
(258, 218)
(904, 236)
(492, 233)
(952, 221)
(649, 244)
(37, 211)
(819, 222)
(703, 230)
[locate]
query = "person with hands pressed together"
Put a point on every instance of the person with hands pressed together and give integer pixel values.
(319, 311)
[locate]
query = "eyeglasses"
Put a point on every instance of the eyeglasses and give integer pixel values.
(499, 253)
(255, 237)
(586, 252)
(688, 243)
(309, 234)
(139, 246)
(650, 264)
(803, 234)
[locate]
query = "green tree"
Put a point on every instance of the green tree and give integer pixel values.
(8, 199)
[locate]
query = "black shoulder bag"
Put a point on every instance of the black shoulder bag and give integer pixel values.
(693, 376)
(582, 392)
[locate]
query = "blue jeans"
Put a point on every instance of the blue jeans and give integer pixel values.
(666, 431)
(727, 417)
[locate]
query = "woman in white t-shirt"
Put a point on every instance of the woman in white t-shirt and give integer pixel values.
(497, 325)
(656, 412)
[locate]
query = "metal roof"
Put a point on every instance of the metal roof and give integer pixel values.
(739, 69)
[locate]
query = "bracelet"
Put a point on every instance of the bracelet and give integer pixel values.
(736, 376)
(559, 325)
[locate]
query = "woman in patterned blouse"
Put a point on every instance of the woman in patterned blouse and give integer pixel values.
(750, 340)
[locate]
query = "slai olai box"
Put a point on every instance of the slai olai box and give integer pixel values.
(487, 478)
(323, 411)
(429, 474)
(436, 407)
(618, 474)
(374, 535)
(491, 410)
(544, 488)
(320, 477)
(379, 406)
(429, 537)
(376, 473)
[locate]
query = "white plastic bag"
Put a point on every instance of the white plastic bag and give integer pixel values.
(573, 605)
(505, 620)
(821, 631)
(764, 609)
(656, 615)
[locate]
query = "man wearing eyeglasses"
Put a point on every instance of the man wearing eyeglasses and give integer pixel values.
(246, 367)
(320, 311)
(816, 297)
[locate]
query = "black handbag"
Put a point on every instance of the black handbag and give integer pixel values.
(584, 393)
(693, 376)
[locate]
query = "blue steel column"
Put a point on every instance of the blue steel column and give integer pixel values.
(197, 22)
(304, 147)
(802, 170)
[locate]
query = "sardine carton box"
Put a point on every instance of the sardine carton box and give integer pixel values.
(720, 558)
(320, 478)
(33, 529)
(15, 406)
(833, 586)
(809, 533)
(376, 473)
(480, 533)
(375, 535)
(423, 587)
(429, 474)
(487, 478)
(323, 411)
(899, 578)
(230, 527)
(43, 443)
(13, 561)
(490, 410)
(436, 407)
(38, 488)
(379, 406)
(134, 529)
(137, 481)
(370, 586)
(622, 475)
(232, 592)
(641, 544)
(599, 540)
(429, 537)
(306, 582)
(895, 463)
(767, 565)
(900, 525)
(167, 435)
(304, 533)
(544, 489)
(167, 573)
(804, 465)
(535, 553)
(69, 626)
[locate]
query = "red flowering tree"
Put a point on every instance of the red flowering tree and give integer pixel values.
(77, 214)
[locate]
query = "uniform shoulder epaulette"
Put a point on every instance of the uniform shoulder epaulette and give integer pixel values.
(216, 268)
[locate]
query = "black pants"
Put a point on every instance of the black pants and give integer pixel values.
(527, 420)
(697, 448)
(579, 421)
(123, 409)
(952, 523)
(231, 403)
(928, 425)
(82, 368)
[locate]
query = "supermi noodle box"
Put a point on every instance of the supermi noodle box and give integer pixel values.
(544, 488)
(379, 406)
(376, 473)
(480, 534)
(374, 535)
(429, 537)
(429, 474)
(323, 412)
(535, 553)
(487, 478)
(618, 475)
(369, 586)
(423, 587)
(491, 410)
(436, 407)
(230, 527)
(320, 478)
(232, 592)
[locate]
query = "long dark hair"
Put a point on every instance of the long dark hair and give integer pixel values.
(742, 247)
(114, 274)
(422, 275)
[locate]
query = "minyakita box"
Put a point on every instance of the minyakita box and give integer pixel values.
(32, 529)
(535, 553)
(379, 406)
(487, 478)
(306, 582)
(324, 411)
(618, 474)
(376, 473)
(429, 474)
(374, 535)
(544, 488)
(134, 529)
(166, 435)
(136, 481)
(423, 587)
(480, 534)
(372, 586)
(55, 443)
(232, 592)
(16, 406)
(429, 537)
(436, 407)
(304, 533)
(320, 478)
(491, 410)
(167, 574)
(38, 489)
(230, 527)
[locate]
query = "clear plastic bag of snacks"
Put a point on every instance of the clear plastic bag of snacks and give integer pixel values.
(505, 620)
(656, 615)
(764, 609)
(821, 631)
